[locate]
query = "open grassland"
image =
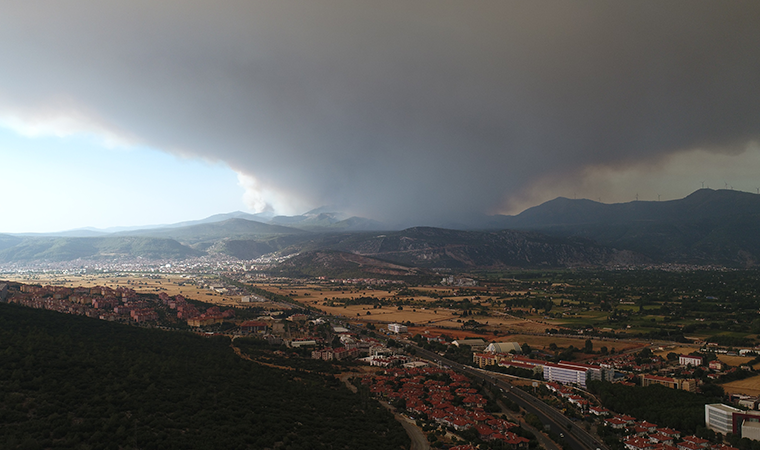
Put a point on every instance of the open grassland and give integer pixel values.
(748, 386)
(331, 301)
(679, 350)
(437, 321)
(735, 360)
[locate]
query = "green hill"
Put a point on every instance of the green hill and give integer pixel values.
(78, 383)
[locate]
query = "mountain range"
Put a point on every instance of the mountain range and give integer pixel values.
(707, 227)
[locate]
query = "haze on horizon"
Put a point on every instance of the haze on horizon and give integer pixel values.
(414, 111)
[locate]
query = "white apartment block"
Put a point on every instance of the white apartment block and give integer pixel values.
(571, 373)
(686, 360)
(397, 328)
(719, 417)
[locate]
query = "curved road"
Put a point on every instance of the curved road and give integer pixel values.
(419, 441)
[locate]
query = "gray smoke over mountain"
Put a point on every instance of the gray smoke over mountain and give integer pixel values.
(421, 110)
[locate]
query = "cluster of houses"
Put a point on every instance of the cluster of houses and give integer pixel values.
(445, 398)
(745, 401)
(361, 281)
(330, 354)
(630, 362)
(372, 351)
(119, 304)
(194, 317)
(643, 435)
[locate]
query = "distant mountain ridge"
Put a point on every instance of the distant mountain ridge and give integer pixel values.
(428, 247)
(704, 204)
(707, 227)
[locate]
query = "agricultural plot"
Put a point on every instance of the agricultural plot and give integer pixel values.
(748, 386)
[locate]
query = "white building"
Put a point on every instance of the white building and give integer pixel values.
(719, 417)
(751, 429)
(564, 374)
(397, 328)
(686, 360)
(571, 373)
(504, 347)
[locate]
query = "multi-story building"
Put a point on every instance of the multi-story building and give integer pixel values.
(720, 417)
(648, 380)
(565, 374)
(688, 360)
(673, 383)
(397, 328)
(487, 359)
(571, 373)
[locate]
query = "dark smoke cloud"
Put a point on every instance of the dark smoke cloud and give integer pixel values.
(398, 110)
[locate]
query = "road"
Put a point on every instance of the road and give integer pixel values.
(419, 441)
(575, 436)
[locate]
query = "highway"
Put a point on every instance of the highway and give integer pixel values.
(575, 436)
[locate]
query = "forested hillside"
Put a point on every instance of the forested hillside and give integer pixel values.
(73, 382)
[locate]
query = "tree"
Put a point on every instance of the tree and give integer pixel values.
(589, 346)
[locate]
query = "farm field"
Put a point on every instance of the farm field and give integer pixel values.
(680, 350)
(152, 284)
(748, 386)
(438, 321)
(735, 360)
(433, 320)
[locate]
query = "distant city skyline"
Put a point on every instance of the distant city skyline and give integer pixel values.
(422, 111)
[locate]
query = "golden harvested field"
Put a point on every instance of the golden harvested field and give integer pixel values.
(735, 360)
(749, 386)
(682, 350)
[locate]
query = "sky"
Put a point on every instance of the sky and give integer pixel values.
(413, 112)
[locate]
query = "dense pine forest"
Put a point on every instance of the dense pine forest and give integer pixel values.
(73, 382)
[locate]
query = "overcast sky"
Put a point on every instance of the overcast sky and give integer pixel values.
(416, 112)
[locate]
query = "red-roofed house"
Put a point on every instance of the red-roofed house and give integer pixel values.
(702, 443)
(637, 443)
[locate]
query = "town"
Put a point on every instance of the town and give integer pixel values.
(385, 326)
